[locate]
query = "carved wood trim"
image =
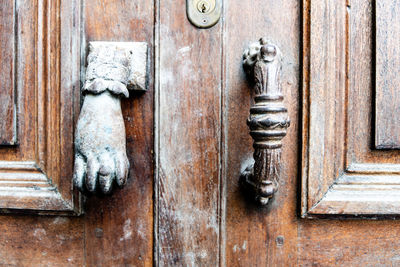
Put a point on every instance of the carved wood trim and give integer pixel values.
(39, 179)
(337, 178)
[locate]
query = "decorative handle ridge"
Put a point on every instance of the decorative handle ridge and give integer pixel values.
(268, 120)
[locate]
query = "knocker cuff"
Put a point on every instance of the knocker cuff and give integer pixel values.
(99, 85)
(116, 67)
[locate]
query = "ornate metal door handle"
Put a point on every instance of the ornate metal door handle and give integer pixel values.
(268, 120)
(100, 146)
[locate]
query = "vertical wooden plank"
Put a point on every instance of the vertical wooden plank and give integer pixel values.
(189, 139)
(8, 115)
(255, 236)
(387, 125)
(70, 65)
(119, 228)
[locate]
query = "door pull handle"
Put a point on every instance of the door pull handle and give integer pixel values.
(268, 120)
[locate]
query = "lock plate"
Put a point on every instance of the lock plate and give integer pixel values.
(203, 13)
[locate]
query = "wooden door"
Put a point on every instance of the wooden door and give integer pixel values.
(187, 139)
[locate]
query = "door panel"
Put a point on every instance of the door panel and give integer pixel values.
(35, 175)
(342, 173)
(350, 242)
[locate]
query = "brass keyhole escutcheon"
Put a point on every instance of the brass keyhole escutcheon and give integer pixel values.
(203, 13)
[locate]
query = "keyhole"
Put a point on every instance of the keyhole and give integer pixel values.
(203, 8)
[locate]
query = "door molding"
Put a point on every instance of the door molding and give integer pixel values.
(342, 172)
(38, 179)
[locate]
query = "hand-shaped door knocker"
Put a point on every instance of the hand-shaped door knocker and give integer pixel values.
(100, 145)
(268, 120)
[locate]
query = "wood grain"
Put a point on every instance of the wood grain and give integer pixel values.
(32, 240)
(339, 167)
(41, 241)
(337, 242)
(348, 243)
(189, 139)
(32, 180)
(119, 228)
(324, 97)
(387, 103)
(8, 109)
(361, 93)
(202, 218)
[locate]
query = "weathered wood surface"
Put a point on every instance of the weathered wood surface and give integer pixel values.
(340, 172)
(387, 83)
(324, 97)
(254, 236)
(40, 240)
(189, 136)
(31, 176)
(119, 228)
(203, 218)
(348, 243)
(8, 109)
(337, 242)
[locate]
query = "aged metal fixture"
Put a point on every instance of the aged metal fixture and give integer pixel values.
(100, 146)
(203, 13)
(268, 120)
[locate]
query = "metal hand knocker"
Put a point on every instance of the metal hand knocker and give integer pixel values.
(268, 120)
(100, 145)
